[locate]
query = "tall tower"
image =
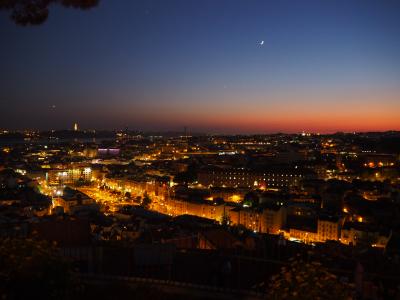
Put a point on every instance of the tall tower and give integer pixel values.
(75, 126)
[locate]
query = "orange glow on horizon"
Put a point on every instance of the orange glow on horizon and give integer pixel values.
(348, 111)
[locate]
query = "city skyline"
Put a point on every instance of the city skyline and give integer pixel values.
(216, 67)
(200, 149)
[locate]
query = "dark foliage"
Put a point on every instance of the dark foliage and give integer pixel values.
(36, 12)
(32, 269)
(146, 201)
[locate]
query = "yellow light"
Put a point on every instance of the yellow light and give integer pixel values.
(235, 198)
(360, 219)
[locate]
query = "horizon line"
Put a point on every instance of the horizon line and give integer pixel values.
(93, 130)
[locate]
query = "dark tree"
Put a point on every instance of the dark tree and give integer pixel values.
(250, 199)
(146, 201)
(35, 12)
(225, 219)
(308, 280)
(32, 269)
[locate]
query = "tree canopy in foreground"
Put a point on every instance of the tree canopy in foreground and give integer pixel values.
(36, 12)
(308, 280)
(31, 269)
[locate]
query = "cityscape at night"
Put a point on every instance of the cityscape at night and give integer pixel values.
(200, 149)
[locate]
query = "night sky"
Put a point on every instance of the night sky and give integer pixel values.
(324, 66)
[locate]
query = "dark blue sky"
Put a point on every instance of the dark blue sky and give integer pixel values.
(324, 66)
